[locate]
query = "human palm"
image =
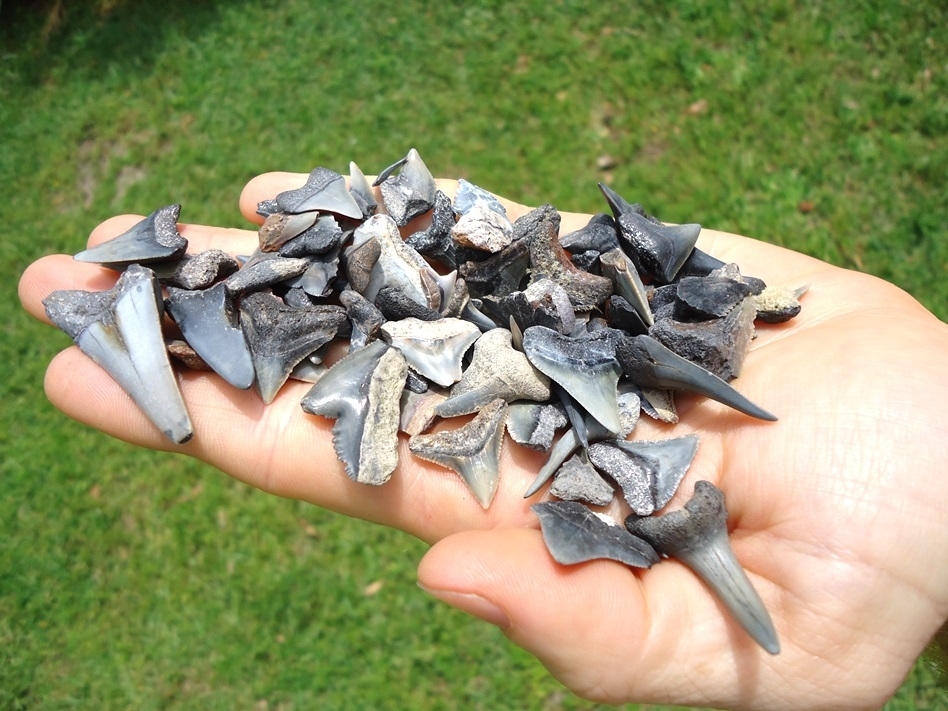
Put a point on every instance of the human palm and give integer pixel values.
(836, 510)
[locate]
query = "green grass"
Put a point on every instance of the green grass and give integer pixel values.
(130, 579)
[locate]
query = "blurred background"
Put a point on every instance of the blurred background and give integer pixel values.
(130, 579)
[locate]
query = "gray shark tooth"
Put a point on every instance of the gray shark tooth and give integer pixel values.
(705, 298)
(365, 318)
(154, 239)
(648, 472)
(533, 424)
(620, 314)
(650, 364)
(121, 331)
(658, 251)
(317, 278)
(483, 228)
(578, 480)
(325, 190)
(308, 372)
(473, 450)
(398, 265)
(395, 304)
(499, 274)
(433, 348)
(777, 304)
(548, 260)
(599, 236)
(209, 323)
(574, 413)
(469, 196)
(280, 227)
(410, 193)
(262, 272)
(699, 264)
(325, 235)
(697, 536)
(197, 271)
(473, 314)
(436, 241)
(280, 336)
(496, 371)
(574, 534)
(265, 208)
(361, 392)
(543, 303)
(388, 172)
(361, 191)
(628, 284)
(454, 302)
(586, 368)
(618, 204)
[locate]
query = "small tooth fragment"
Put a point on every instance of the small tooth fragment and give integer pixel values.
(455, 301)
(574, 534)
(647, 471)
(433, 348)
(418, 410)
(436, 241)
(365, 318)
(473, 450)
(533, 424)
(322, 237)
(586, 368)
(659, 404)
(483, 228)
(197, 271)
(410, 193)
(182, 352)
(395, 304)
(699, 264)
(705, 298)
(599, 235)
(280, 336)
(261, 273)
(307, 371)
(578, 480)
(777, 304)
(120, 330)
(496, 371)
(628, 284)
(361, 392)
(620, 314)
(398, 265)
(325, 190)
(469, 196)
(360, 259)
(651, 365)
(362, 191)
(697, 536)
(499, 274)
(543, 303)
(317, 278)
(280, 227)
(154, 239)
(208, 320)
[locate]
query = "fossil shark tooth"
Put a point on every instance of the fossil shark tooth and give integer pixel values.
(473, 314)
(361, 191)
(197, 271)
(410, 193)
(496, 371)
(360, 258)
(647, 471)
(697, 536)
(543, 303)
(705, 298)
(628, 283)
(500, 274)
(651, 365)
(473, 450)
(322, 237)
(154, 239)
(548, 260)
(618, 204)
(280, 336)
(436, 241)
(657, 250)
(574, 534)
(533, 424)
(182, 352)
(209, 323)
(777, 304)
(398, 265)
(280, 227)
(395, 304)
(325, 190)
(433, 348)
(120, 330)
(598, 235)
(261, 272)
(469, 196)
(699, 263)
(418, 410)
(586, 368)
(578, 480)
(317, 278)
(456, 299)
(361, 392)
(658, 403)
(574, 413)
(365, 318)
(483, 228)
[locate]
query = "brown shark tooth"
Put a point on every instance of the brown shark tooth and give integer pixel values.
(280, 336)
(418, 410)
(473, 450)
(120, 330)
(410, 193)
(360, 258)
(697, 536)
(361, 392)
(325, 190)
(433, 348)
(574, 534)
(398, 265)
(280, 227)
(578, 480)
(496, 371)
(548, 260)
(154, 239)
(533, 424)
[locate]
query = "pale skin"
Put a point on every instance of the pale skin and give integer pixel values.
(837, 511)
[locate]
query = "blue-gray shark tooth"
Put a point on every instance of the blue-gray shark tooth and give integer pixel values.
(697, 536)
(628, 284)
(361, 392)
(533, 424)
(410, 193)
(433, 348)
(398, 265)
(209, 323)
(121, 331)
(473, 450)
(361, 190)
(325, 191)
(154, 239)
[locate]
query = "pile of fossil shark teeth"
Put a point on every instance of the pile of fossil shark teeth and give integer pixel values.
(561, 340)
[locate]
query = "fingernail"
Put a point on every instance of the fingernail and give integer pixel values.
(471, 604)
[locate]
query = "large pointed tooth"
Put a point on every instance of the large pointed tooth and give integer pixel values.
(658, 251)
(324, 190)
(618, 204)
(121, 331)
(697, 536)
(410, 193)
(648, 472)
(585, 367)
(650, 364)
(433, 348)
(209, 323)
(628, 283)
(473, 451)
(362, 392)
(154, 239)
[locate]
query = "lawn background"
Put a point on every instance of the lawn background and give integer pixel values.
(130, 579)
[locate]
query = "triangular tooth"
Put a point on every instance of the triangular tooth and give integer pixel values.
(697, 536)
(433, 348)
(125, 339)
(658, 250)
(325, 190)
(578, 480)
(410, 193)
(473, 450)
(618, 267)
(650, 364)
(386, 173)
(362, 191)
(618, 204)
(154, 239)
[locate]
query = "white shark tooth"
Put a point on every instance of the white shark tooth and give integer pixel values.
(433, 348)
